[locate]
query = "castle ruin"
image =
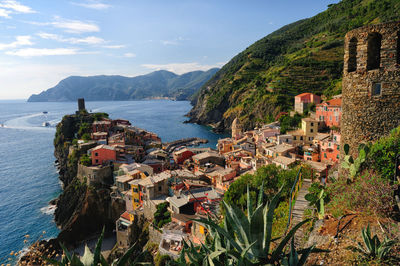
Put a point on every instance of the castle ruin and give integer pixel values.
(371, 84)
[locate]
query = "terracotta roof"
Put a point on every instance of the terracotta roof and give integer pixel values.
(335, 102)
(103, 146)
(304, 94)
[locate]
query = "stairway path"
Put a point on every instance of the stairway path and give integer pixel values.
(300, 206)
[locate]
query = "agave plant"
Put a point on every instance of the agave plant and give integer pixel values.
(373, 248)
(246, 240)
(95, 258)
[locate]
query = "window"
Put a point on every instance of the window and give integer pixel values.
(294, 137)
(398, 47)
(337, 118)
(311, 130)
(337, 156)
(301, 137)
(97, 161)
(96, 154)
(352, 62)
(374, 51)
(330, 118)
(376, 89)
(159, 188)
(136, 200)
(135, 190)
(312, 124)
(325, 155)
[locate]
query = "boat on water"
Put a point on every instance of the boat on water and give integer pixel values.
(46, 124)
(45, 112)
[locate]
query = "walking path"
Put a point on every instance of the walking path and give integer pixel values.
(299, 207)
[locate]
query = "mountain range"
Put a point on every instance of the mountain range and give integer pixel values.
(305, 56)
(158, 84)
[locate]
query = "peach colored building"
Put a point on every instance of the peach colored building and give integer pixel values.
(330, 112)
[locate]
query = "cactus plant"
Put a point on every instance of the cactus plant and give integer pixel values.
(354, 165)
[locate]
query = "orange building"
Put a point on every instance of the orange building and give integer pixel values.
(330, 112)
(102, 154)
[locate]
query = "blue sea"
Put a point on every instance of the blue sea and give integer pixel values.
(28, 177)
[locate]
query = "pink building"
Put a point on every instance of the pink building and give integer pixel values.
(302, 101)
(330, 112)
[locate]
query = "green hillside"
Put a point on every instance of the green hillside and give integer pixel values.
(305, 56)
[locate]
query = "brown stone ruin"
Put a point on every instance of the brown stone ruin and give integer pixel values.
(371, 84)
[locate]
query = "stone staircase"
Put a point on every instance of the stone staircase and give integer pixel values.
(298, 210)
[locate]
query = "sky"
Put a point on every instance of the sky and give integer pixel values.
(45, 41)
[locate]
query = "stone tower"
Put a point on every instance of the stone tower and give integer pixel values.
(371, 84)
(236, 129)
(81, 104)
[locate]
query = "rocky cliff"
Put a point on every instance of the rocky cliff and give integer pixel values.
(81, 210)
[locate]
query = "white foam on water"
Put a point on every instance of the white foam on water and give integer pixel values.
(49, 210)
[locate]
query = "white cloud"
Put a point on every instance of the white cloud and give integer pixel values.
(15, 6)
(74, 26)
(92, 4)
(129, 55)
(181, 68)
(34, 52)
(113, 46)
(5, 13)
(175, 41)
(59, 38)
(19, 41)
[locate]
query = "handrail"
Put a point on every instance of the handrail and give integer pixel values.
(295, 188)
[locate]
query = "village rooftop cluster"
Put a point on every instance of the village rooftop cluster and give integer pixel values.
(190, 182)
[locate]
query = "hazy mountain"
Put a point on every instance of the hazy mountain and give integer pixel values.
(113, 88)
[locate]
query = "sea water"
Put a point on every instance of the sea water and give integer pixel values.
(28, 176)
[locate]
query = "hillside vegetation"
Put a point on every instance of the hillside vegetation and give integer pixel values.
(108, 88)
(305, 56)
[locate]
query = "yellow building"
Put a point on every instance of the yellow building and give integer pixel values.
(138, 176)
(307, 133)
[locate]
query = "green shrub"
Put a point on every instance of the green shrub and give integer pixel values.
(162, 216)
(369, 194)
(86, 160)
(382, 154)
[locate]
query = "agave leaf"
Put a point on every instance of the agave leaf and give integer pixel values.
(67, 254)
(239, 222)
(222, 232)
(293, 256)
(97, 250)
(257, 226)
(305, 255)
(278, 250)
(268, 220)
(261, 195)
(124, 259)
(87, 258)
(249, 205)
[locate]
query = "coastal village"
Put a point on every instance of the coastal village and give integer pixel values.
(173, 184)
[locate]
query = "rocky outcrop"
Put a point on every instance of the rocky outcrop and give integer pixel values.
(82, 210)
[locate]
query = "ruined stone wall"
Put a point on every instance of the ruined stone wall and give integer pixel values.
(367, 114)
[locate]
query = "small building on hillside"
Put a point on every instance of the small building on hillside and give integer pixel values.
(302, 101)
(225, 145)
(329, 113)
(208, 157)
(95, 174)
(182, 155)
(103, 154)
(101, 126)
(279, 150)
(284, 162)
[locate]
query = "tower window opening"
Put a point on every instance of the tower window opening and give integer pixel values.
(374, 51)
(376, 89)
(352, 62)
(398, 47)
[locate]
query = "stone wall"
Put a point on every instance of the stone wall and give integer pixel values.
(95, 174)
(369, 113)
